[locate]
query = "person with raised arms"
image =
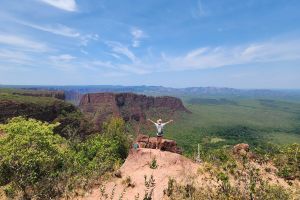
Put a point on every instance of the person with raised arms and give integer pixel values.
(160, 130)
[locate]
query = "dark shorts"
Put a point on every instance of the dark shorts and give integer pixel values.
(160, 135)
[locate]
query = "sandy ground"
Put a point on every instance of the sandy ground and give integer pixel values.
(137, 166)
(169, 165)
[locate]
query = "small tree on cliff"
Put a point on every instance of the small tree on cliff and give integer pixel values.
(115, 129)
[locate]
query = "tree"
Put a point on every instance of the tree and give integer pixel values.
(31, 157)
(115, 129)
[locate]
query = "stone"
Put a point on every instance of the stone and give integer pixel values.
(145, 141)
(118, 174)
(240, 149)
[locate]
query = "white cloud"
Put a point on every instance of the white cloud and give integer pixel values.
(209, 57)
(199, 10)
(25, 44)
(106, 64)
(57, 29)
(64, 62)
(16, 57)
(138, 68)
(84, 52)
(85, 39)
(63, 30)
(62, 58)
(114, 55)
(121, 49)
(213, 57)
(68, 5)
(114, 74)
(137, 35)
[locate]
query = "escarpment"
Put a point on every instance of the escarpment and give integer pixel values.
(98, 107)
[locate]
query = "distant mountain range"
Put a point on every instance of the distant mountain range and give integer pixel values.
(74, 93)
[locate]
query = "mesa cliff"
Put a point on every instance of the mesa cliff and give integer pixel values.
(98, 107)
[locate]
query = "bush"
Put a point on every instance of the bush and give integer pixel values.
(115, 129)
(31, 157)
(36, 163)
(288, 161)
(73, 125)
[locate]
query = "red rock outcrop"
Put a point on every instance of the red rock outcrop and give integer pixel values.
(131, 107)
(145, 141)
(243, 150)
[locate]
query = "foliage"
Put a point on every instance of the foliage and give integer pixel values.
(44, 165)
(149, 184)
(73, 125)
(153, 164)
(250, 187)
(31, 157)
(286, 158)
(115, 129)
(288, 161)
(128, 182)
(250, 121)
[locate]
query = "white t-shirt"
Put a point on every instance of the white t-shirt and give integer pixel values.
(160, 128)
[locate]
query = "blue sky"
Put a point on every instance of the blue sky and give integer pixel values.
(225, 43)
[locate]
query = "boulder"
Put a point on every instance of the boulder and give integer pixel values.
(241, 149)
(145, 141)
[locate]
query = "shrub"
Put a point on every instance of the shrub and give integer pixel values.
(288, 161)
(115, 129)
(36, 163)
(153, 164)
(31, 157)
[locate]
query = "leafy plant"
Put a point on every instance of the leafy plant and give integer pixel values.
(31, 157)
(37, 163)
(153, 164)
(149, 184)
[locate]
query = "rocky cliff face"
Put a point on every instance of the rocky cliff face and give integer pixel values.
(131, 107)
(35, 109)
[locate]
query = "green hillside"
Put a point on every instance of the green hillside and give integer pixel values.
(219, 122)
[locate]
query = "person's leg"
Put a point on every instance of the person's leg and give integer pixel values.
(159, 139)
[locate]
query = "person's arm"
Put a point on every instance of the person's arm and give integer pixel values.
(151, 121)
(169, 121)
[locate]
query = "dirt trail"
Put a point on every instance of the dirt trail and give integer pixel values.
(137, 166)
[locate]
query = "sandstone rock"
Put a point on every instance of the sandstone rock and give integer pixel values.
(241, 149)
(118, 174)
(99, 107)
(145, 141)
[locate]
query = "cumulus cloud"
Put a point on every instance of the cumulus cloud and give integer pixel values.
(67, 5)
